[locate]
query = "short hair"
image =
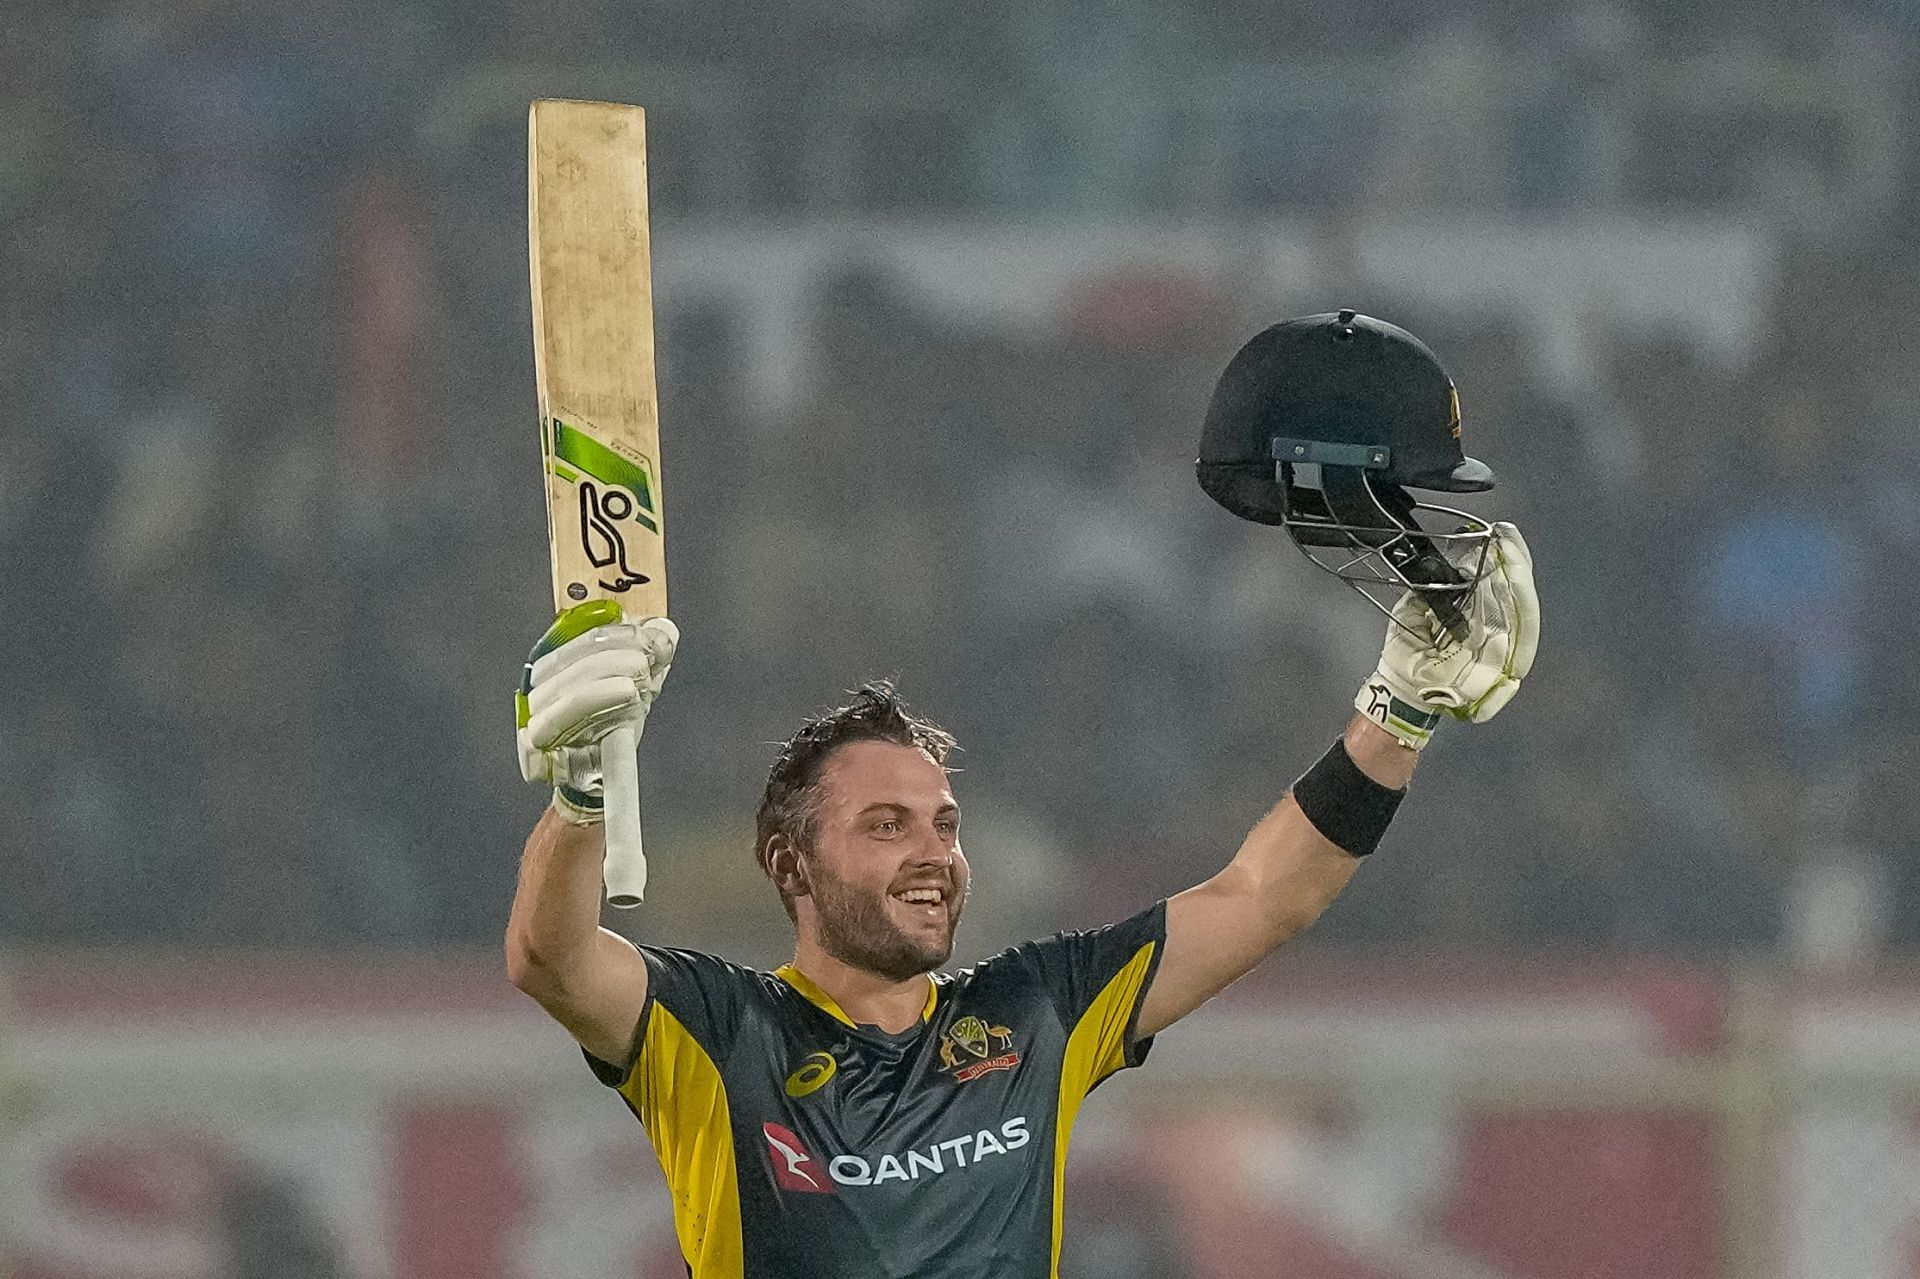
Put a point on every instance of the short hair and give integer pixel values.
(789, 806)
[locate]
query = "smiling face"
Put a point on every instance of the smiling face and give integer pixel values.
(885, 878)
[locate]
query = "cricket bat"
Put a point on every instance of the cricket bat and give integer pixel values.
(588, 255)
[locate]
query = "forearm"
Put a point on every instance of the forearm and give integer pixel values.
(555, 921)
(1284, 877)
(1293, 869)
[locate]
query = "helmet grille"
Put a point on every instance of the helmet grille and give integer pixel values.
(1371, 536)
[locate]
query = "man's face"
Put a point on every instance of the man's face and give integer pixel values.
(887, 877)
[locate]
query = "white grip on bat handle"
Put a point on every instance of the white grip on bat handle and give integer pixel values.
(625, 869)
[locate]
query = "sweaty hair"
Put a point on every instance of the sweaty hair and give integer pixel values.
(876, 714)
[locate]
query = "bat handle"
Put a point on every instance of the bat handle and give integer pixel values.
(625, 869)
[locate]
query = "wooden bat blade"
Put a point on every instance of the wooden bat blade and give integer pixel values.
(589, 257)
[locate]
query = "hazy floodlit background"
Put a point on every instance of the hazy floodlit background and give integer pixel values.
(942, 289)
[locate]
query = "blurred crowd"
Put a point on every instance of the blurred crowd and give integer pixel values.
(274, 549)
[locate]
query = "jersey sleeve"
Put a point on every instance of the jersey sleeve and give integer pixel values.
(699, 996)
(673, 1084)
(1097, 980)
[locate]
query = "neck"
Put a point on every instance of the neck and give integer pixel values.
(865, 996)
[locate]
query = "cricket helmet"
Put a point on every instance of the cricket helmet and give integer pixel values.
(1320, 425)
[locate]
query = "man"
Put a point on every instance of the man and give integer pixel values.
(857, 1112)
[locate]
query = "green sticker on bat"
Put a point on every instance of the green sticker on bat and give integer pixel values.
(613, 490)
(610, 468)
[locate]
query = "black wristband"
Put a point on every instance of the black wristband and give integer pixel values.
(1344, 804)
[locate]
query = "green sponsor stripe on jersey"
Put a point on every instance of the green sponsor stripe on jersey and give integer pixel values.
(603, 464)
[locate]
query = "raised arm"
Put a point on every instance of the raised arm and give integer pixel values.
(1300, 855)
(1285, 874)
(577, 689)
(589, 979)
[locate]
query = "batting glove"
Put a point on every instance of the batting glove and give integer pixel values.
(590, 674)
(1425, 672)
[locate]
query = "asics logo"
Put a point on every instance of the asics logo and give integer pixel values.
(812, 1076)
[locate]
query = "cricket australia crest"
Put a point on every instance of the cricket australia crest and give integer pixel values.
(972, 1048)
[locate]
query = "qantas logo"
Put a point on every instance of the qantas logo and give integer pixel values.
(795, 1169)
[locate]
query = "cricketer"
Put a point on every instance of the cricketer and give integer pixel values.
(861, 1112)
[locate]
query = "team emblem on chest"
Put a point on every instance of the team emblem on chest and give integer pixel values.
(972, 1048)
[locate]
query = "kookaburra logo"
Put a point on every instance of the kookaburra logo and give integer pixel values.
(617, 500)
(600, 515)
(974, 1037)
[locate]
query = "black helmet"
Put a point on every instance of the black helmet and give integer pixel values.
(1320, 425)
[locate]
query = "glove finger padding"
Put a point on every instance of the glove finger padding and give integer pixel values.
(583, 712)
(1523, 601)
(576, 766)
(653, 642)
(1459, 685)
(581, 690)
(1510, 611)
(1500, 644)
(662, 639)
(1490, 703)
(616, 674)
(1473, 678)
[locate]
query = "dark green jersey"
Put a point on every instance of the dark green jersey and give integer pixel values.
(798, 1144)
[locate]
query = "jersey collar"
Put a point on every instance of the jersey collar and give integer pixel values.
(811, 992)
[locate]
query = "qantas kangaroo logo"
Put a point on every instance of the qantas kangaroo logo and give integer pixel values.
(793, 1167)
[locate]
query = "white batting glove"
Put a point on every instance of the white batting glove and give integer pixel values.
(587, 676)
(1425, 672)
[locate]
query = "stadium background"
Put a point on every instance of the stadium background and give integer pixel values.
(942, 290)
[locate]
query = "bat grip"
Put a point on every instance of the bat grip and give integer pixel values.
(625, 869)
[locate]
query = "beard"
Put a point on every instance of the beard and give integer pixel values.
(857, 930)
